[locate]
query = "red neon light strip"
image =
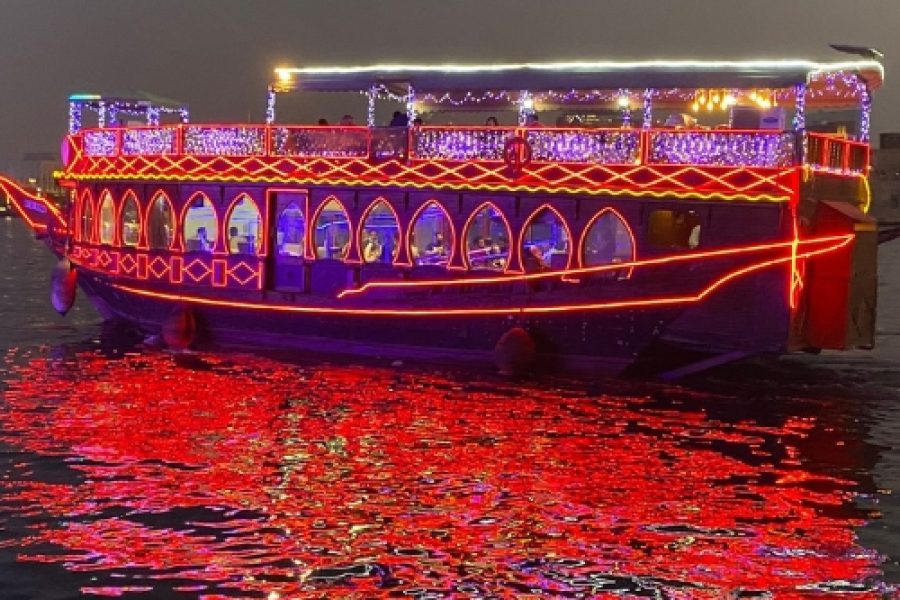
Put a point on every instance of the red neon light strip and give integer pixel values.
(662, 301)
(13, 190)
(589, 270)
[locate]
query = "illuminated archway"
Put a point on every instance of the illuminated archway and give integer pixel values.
(130, 221)
(160, 223)
(607, 239)
(244, 224)
(107, 224)
(379, 233)
(544, 244)
(487, 239)
(331, 230)
(431, 238)
(200, 224)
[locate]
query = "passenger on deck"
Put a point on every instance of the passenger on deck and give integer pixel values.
(532, 120)
(491, 122)
(347, 121)
(418, 122)
(323, 122)
(399, 119)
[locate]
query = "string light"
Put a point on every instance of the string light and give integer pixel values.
(224, 141)
(270, 105)
(648, 108)
(158, 141)
(760, 149)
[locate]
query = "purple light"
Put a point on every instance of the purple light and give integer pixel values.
(580, 146)
(728, 149)
(100, 143)
(149, 141)
(224, 141)
(459, 144)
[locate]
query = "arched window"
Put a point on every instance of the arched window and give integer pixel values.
(160, 223)
(130, 230)
(431, 236)
(87, 218)
(291, 231)
(607, 240)
(244, 224)
(332, 235)
(545, 242)
(107, 219)
(487, 238)
(379, 238)
(201, 227)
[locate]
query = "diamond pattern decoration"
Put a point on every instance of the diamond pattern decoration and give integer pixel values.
(694, 181)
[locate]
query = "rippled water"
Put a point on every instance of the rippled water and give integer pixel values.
(130, 471)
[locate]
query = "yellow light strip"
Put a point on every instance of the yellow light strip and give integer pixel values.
(429, 185)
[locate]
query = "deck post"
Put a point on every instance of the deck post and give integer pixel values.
(270, 105)
(410, 105)
(74, 116)
(800, 122)
(648, 109)
(371, 94)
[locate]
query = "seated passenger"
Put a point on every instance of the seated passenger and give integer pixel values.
(372, 249)
(534, 260)
(233, 240)
(437, 246)
(498, 257)
(203, 242)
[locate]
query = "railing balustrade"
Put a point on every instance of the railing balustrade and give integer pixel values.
(603, 146)
(459, 143)
(328, 142)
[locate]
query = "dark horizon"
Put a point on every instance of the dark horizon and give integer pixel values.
(218, 55)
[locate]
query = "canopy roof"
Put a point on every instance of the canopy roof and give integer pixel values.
(130, 99)
(657, 74)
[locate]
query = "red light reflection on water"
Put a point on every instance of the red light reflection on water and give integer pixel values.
(244, 476)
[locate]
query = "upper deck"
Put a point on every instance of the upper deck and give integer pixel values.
(693, 129)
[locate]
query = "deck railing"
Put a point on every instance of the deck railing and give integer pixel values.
(836, 153)
(720, 148)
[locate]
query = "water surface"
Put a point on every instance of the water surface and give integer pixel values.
(128, 471)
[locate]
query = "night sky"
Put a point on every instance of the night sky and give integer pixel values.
(218, 55)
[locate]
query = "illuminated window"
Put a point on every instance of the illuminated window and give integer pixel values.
(160, 223)
(487, 240)
(671, 228)
(131, 221)
(431, 239)
(607, 240)
(200, 225)
(244, 224)
(545, 243)
(107, 219)
(291, 231)
(380, 237)
(332, 235)
(87, 219)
